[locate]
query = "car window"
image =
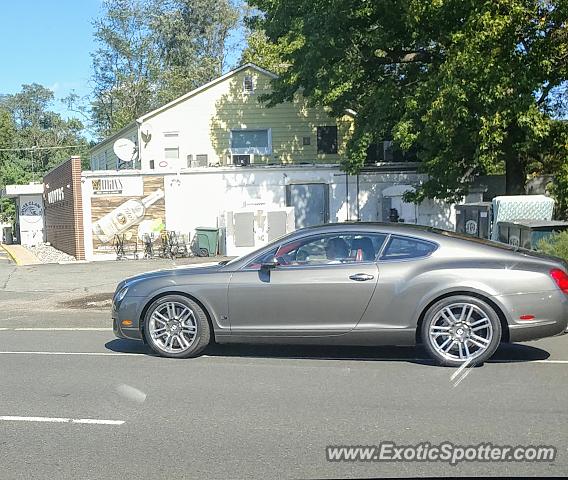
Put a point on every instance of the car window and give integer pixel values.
(331, 249)
(402, 248)
(258, 261)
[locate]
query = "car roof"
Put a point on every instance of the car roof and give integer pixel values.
(400, 228)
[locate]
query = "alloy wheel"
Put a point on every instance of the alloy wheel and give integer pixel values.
(461, 332)
(173, 327)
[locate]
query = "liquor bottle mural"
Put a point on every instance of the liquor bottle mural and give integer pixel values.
(124, 216)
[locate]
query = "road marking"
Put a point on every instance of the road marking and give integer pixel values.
(88, 354)
(379, 359)
(56, 329)
(92, 421)
(528, 361)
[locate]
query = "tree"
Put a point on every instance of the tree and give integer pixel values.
(125, 65)
(7, 133)
(262, 52)
(466, 84)
(38, 127)
(33, 138)
(550, 157)
(192, 38)
(152, 51)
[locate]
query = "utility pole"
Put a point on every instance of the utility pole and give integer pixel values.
(33, 166)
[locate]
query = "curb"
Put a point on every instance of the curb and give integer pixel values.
(9, 254)
(19, 261)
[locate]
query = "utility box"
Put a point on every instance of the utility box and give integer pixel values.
(474, 219)
(527, 233)
(255, 226)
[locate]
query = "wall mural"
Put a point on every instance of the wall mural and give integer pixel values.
(114, 213)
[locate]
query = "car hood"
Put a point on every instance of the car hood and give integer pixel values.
(200, 268)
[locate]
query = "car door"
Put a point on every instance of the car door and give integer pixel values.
(321, 286)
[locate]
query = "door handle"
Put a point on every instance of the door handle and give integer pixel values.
(361, 277)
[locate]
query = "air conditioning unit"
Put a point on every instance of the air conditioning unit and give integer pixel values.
(242, 160)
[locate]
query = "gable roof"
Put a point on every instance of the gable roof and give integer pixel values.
(198, 90)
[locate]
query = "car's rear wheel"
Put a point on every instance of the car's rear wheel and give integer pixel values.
(177, 327)
(461, 329)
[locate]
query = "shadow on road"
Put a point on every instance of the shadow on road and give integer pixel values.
(510, 353)
(120, 345)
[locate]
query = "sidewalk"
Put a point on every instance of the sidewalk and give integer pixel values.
(74, 294)
(20, 255)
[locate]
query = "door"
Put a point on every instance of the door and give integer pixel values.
(322, 286)
(310, 202)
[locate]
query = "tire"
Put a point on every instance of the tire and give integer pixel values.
(176, 327)
(461, 329)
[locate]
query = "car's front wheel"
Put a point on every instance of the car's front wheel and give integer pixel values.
(177, 327)
(461, 329)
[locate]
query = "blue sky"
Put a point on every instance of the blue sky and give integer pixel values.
(47, 42)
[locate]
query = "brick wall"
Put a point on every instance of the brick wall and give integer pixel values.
(64, 208)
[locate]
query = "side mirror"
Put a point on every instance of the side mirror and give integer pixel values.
(270, 265)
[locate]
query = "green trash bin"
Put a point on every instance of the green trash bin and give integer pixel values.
(208, 240)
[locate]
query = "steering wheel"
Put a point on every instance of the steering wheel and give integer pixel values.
(282, 259)
(302, 255)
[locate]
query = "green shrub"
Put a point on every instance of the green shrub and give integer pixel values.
(556, 244)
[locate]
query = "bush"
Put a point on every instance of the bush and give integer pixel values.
(556, 245)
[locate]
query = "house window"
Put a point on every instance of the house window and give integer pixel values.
(171, 153)
(248, 84)
(327, 139)
(306, 141)
(152, 165)
(171, 134)
(387, 152)
(247, 142)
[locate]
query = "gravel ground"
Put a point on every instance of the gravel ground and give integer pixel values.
(47, 254)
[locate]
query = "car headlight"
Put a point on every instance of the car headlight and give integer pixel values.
(121, 294)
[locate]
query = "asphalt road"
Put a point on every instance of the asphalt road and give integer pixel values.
(243, 411)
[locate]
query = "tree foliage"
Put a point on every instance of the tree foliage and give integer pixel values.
(152, 51)
(555, 245)
(262, 52)
(468, 84)
(33, 138)
(124, 65)
(192, 38)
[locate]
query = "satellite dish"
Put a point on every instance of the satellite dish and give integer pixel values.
(125, 150)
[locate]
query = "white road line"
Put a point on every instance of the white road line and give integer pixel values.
(87, 354)
(56, 329)
(92, 421)
(379, 359)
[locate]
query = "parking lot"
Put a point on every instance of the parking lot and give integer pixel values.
(78, 403)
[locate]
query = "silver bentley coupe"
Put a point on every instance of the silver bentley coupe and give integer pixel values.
(353, 284)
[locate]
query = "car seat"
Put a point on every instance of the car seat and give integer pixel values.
(362, 249)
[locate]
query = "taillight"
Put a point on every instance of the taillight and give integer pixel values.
(561, 279)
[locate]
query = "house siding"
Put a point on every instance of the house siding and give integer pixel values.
(204, 121)
(102, 156)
